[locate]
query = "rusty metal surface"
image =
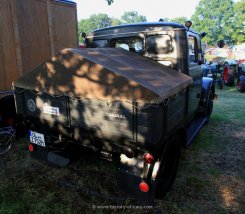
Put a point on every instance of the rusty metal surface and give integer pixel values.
(106, 74)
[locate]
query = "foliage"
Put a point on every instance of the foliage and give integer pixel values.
(100, 20)
(219, 19)
(132, 17)
(239, 31)
(180, 20)
(109, 2)
(95, 21)
(115, 22)
(216, 18)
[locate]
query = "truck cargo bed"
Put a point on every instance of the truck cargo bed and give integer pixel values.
(112, 95)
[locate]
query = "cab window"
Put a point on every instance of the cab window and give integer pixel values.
(159, 44)
(193, 54)
(99, 44)
(134, 44)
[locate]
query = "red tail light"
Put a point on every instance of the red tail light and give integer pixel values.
(31, 148)
(144, 187)
(148, 158)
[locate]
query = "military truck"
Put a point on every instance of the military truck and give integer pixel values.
(135, 94)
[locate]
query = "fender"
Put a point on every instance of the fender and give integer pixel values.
(207, 86)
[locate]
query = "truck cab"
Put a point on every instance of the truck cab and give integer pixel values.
(171, 44)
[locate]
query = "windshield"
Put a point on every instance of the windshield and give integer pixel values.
(134, 44)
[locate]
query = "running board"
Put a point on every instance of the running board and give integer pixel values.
(194, 128)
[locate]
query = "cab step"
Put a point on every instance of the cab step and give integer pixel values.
(194, 128)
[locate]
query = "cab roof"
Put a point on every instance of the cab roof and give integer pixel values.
(139, 27)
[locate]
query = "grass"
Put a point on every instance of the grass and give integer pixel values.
(211, 176)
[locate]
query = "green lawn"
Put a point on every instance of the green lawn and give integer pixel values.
(211, 176)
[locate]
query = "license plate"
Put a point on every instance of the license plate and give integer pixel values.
(37, 138)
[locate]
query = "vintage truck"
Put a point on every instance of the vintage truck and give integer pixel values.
(135, 94)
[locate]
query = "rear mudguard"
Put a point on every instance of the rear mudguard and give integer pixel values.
(132, 172)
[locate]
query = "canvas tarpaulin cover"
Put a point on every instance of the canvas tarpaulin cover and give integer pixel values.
(106, 74)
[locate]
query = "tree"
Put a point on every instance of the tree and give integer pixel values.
(132, 17)
(95, 21)
(216, 18)
(180, 20)
(115, 22)
(239, 31)
(165, 19)
(109, 2)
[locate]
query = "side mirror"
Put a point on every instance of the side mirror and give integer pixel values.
(221, 43)
(203, 34)
(82, 34)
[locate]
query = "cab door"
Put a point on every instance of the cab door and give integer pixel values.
(195, 72)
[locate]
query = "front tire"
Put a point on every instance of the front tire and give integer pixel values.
(168, 167)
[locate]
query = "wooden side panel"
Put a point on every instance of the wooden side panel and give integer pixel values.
(33, 32)
(2, 68)
(30, 32)
(64, 25)
(8, 63)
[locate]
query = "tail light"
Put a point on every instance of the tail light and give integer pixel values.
(148, 158)
(144, 187)
(31, 148)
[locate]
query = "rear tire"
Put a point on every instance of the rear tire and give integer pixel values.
(168, 167)
(7, 139)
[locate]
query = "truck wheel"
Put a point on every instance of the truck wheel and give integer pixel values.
(241, 84)
(7, 139)
(168, 167)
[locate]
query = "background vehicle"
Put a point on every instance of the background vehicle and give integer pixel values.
(239, 52)
(230, 72)
(135, 95)
(241, 78)
(212, 70)
(228, 64)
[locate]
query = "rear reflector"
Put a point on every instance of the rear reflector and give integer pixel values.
(31, 148)
(148, 158)
(144, 187)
